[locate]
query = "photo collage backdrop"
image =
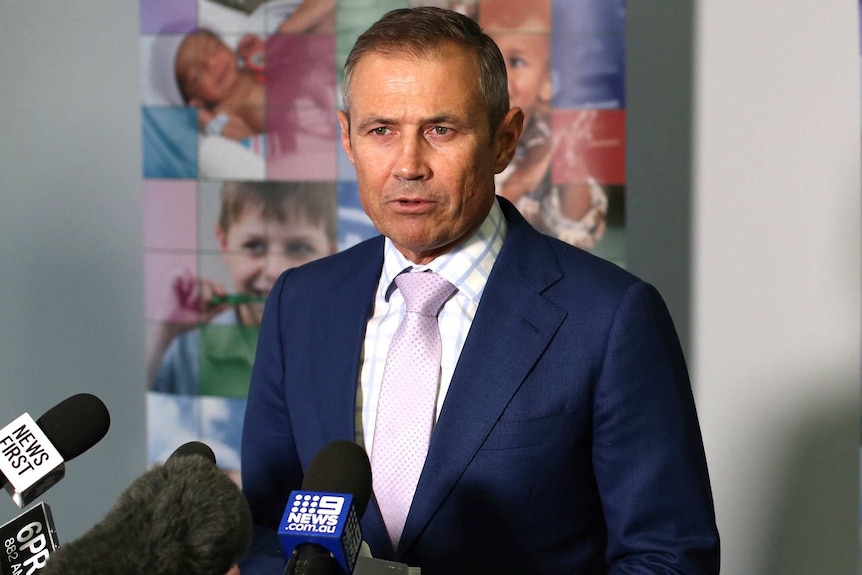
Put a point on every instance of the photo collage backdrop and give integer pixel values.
(244, 175)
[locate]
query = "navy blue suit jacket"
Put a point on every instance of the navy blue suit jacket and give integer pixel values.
(568, 440)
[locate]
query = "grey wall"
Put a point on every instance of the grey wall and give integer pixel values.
(744, 197)
(71, 235)
(659, 102)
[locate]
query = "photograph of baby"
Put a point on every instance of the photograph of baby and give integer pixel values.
(214, 107)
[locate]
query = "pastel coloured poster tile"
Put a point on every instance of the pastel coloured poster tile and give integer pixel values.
(170, 214)
(172, 420)
(168, 280)
(588, 145)
(354, 225)
(167, 16)
(170, 138)
(577, 17)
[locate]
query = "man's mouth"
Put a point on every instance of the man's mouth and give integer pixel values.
(412, 205)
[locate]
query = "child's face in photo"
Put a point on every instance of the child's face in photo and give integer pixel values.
(522, 31)
(206, 68)
(527, 57)
(257, 249)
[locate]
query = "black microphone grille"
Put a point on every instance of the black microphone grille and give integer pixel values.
(341, 467)
(75, 424)
(194, 448)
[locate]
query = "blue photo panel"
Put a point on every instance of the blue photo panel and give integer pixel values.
(588, 47)
(589, 16)
(588, 71)
(170, 142)
(353, 225)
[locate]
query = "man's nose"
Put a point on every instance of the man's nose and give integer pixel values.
(411, 161)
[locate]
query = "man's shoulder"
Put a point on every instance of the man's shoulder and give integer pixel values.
(346, 278)
(356, 261)
(585, 266)
(532, 254)
(550, 261)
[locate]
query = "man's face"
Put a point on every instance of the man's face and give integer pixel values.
(206, 68)
(257, 249)
(419, 139)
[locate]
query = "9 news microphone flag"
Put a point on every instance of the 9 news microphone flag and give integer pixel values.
(319, 531)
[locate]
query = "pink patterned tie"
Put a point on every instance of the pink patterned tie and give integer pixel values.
(408, 396)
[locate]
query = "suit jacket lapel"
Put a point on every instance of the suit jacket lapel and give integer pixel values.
(336, 369)
(513, 326)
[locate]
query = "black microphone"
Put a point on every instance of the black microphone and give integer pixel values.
(321, 542)
(372, 566)
(184, 517)
(33, 453)
(319, 532)
(194, 448)
(28, 541)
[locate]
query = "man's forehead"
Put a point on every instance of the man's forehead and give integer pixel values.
(417, 73)
(434, 80)
(448, 51)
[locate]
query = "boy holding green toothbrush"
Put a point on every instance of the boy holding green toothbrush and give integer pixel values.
(206, 347)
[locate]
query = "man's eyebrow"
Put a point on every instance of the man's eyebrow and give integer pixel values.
(458, 122)
(365, 123)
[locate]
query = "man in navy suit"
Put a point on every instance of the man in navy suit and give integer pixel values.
(565, 438)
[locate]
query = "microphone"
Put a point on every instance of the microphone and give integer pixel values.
(183, 517)
(194, 448)
(28, 541)
(33, 453)
(319, 531)
(372, 566)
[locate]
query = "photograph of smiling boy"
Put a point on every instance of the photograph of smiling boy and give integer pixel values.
(206, 344)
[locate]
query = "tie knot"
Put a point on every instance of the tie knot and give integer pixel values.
(424, 292)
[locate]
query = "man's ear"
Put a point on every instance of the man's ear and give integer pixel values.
(506, 138)
(344, 121)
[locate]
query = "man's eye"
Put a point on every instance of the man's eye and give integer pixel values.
(380, 131)
(441, 130)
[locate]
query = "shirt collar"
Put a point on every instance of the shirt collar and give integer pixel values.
(467, 267)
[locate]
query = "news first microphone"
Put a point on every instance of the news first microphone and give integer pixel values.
(319, 531)
(33, 453)
(28, 541)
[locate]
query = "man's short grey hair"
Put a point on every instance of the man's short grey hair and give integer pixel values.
(423, 32)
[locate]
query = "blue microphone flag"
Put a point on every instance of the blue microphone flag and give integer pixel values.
(325, 519)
